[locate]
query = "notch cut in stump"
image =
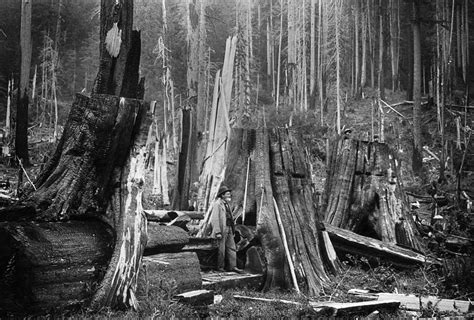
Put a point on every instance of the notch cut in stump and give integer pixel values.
(364, 193)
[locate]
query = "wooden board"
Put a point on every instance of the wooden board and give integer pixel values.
(412, 302)
(215, 279)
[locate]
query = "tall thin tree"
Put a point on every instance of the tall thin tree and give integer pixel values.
(21, 139)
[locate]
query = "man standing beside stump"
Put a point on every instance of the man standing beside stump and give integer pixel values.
(223, 228)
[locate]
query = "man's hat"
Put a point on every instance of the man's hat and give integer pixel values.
(223, 189)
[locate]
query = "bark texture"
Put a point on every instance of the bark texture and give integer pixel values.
(48, 266)
(364, 193)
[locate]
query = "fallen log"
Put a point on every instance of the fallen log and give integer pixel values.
(161, 239)
(168, 215)
(346, 241)
(163, 272)
(51, 265)
(416, 303)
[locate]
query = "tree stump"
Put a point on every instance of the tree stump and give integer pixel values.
(279, 174)
(364, 193)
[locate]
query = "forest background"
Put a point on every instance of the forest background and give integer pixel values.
(307, 61)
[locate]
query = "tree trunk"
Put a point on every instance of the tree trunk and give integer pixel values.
(381, 70)
(51, 265)
(21, 138)
(418, 147)
(364, 193)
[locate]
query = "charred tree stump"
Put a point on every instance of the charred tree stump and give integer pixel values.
(364, 193)
(96, 174)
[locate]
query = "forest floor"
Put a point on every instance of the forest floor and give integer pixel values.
(362, 117)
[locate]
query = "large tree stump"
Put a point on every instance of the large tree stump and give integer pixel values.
(97, 172)
(279, 173)
(364, 193)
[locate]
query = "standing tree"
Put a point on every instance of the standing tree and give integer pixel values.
(417, 143)
(21, 139)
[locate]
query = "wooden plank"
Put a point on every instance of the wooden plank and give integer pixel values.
(334, 308)
(196, 297)
(412, 302)
(347, 241)
(221, 280)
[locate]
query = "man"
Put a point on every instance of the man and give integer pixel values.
(223, 228)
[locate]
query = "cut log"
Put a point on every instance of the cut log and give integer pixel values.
(163, 239)
(162, 272)
(346, 241)
(364, 193)
(167, 215)
(48, 265)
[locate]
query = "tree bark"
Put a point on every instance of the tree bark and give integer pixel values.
(364, 193)
(51, 265)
